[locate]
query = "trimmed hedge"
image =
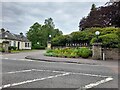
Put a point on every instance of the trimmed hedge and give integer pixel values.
(37, 46)
(88, 36)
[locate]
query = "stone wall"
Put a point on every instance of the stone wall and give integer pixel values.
(111, 53)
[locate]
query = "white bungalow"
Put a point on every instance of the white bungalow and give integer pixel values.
(19, 41)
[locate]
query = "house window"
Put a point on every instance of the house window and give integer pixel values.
(25, 44)
(28, 44)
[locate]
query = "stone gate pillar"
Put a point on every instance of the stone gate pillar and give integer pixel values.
(97, 51)
(49, 45)
(5, 46)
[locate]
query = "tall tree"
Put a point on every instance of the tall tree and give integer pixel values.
(103, 16)
(93, 7)
(34, 33)
(38, 34)
(49, 22)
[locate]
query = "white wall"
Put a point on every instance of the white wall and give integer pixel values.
(22, 44)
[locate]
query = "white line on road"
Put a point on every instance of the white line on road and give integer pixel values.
(29, 70)
(86, 74)
(92, 75)
(91, 85)
(34, 80)
(63, 74)
(4, 58)
(12, 72)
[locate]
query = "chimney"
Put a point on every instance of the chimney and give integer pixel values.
(2, 30)
(8, 31)
(21, 34)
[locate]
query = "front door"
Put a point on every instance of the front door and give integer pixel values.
(18, 45)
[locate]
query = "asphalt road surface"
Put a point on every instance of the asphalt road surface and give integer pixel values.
(18, 72)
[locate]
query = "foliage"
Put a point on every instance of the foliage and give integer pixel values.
(85, 52)
(70, 52)
(103, 16)
(2, 50)
(88, 36)
(93, 7)
(39, 33)
(37, 46)
(109, 40)
(12, 48)
(60, 40)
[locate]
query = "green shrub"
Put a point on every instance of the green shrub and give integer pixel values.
(2, 50)
(12, 48)
(84, 52)
(37, 46)
(70, 52)
(87, 36)
(110, 40)
(73, 55)
(49, 51)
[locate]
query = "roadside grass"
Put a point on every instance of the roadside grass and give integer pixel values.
(18, 51)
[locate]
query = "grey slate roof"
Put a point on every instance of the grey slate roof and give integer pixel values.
(11, 36)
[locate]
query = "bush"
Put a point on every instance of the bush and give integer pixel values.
(12, 48)
(37, 46)
(86, 36)
(2, 50)
(70, 52)
(49, 51)
(85, 53)
(109, 40)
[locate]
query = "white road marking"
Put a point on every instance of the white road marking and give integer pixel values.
(107, 78)
(92, 75)
(86, 74)
(4, 58)
(29, 70)
(34, 80)
(91, 85)
(18, 71)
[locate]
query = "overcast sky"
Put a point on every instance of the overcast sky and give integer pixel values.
(19, 16)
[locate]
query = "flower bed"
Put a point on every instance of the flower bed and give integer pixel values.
(83, 52)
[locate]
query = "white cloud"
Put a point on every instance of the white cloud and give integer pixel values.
(20, 16)
(55, 0)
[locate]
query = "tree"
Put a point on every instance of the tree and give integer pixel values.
(34, 33)
(38, 34)
(109, 37)
(93, 7)
(49, 22)
(61, 40)
(104, 16)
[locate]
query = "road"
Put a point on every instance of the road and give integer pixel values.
(18, 72)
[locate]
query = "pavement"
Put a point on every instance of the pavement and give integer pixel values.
(40, 56)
